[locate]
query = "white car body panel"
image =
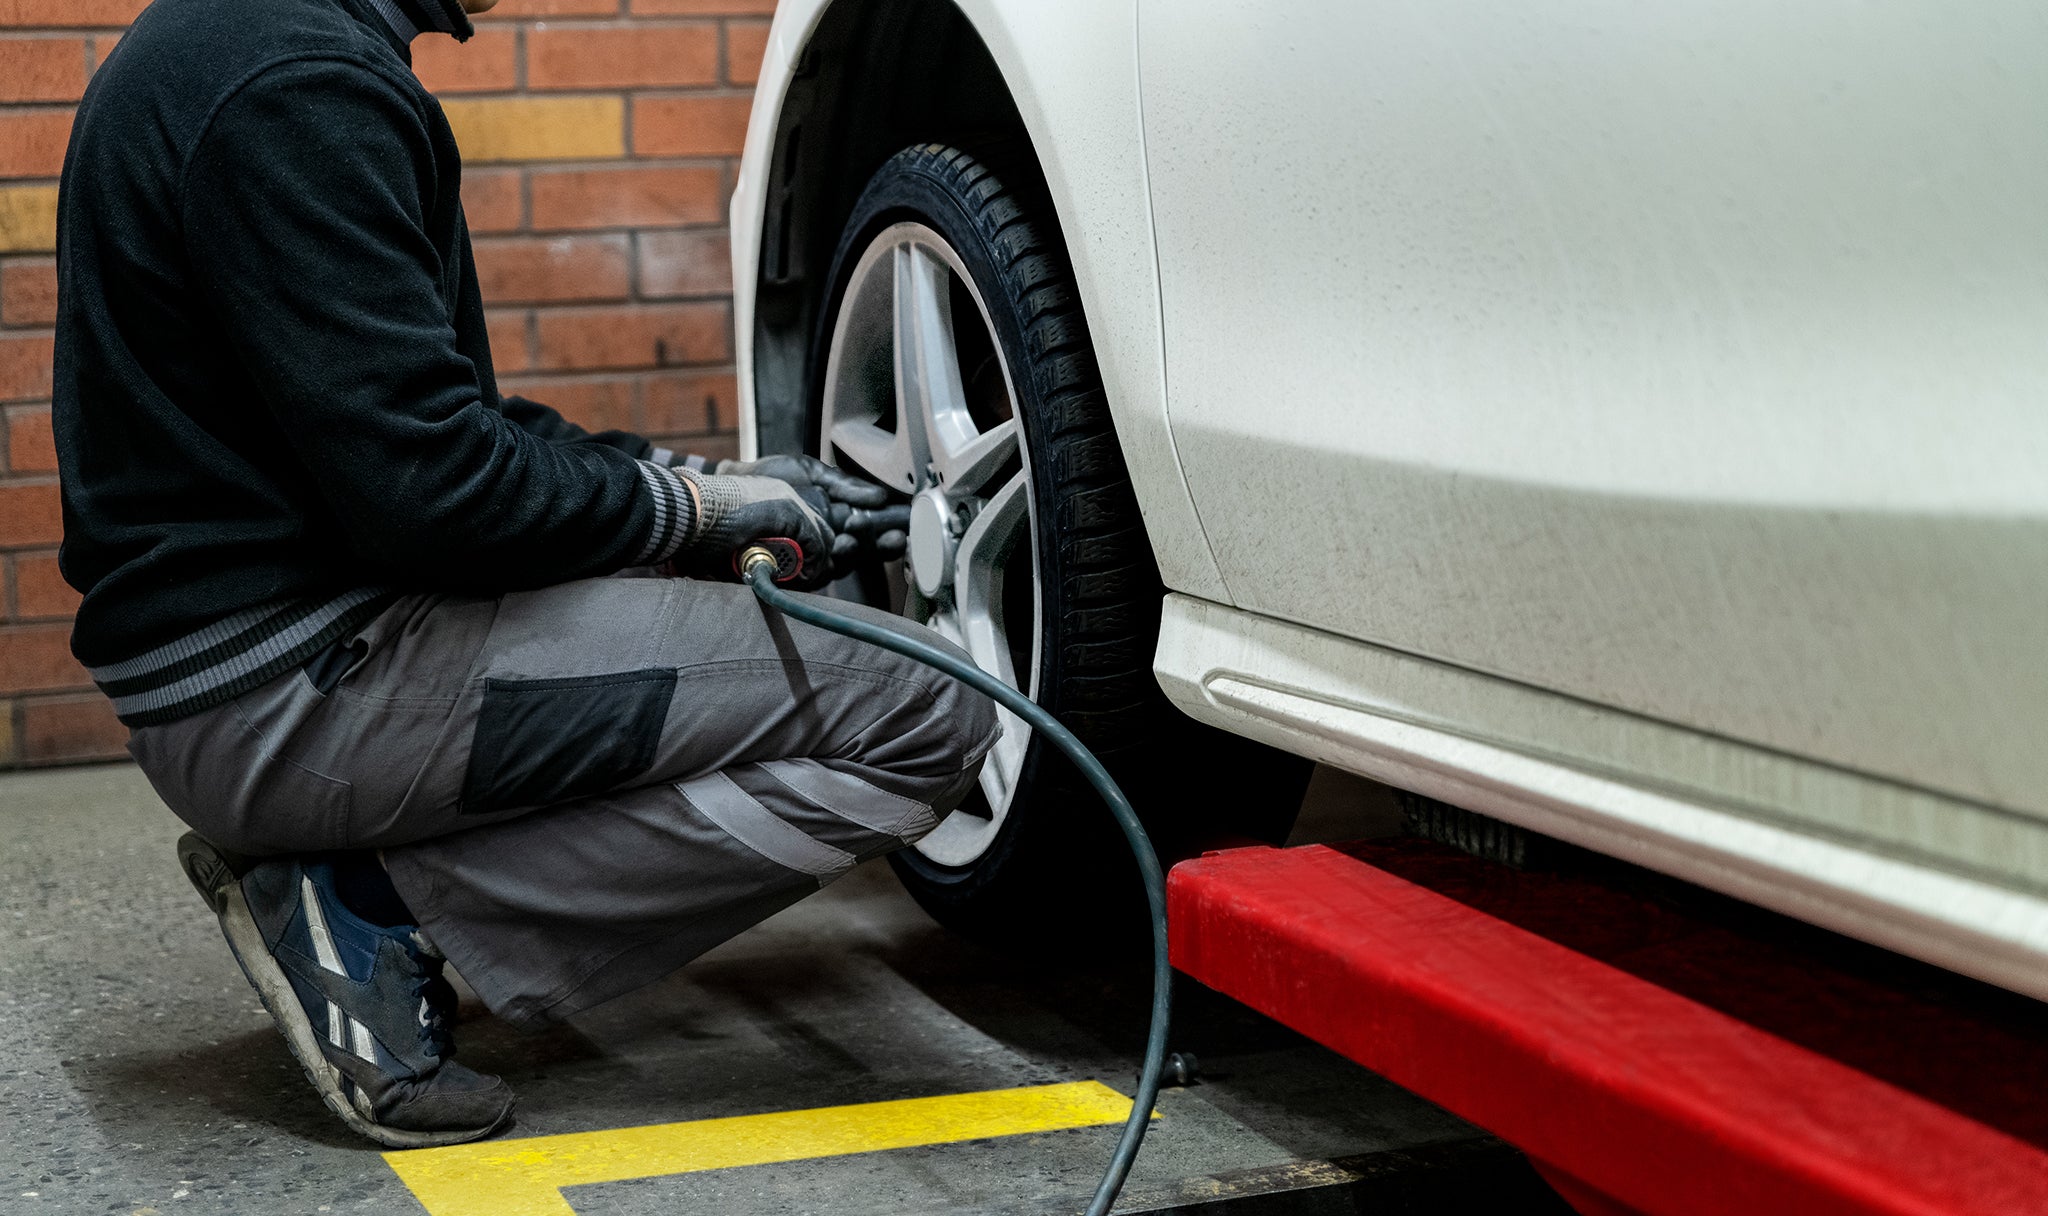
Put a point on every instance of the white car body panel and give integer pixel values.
(1627, 425)
(1072, 69)
(1689, 359)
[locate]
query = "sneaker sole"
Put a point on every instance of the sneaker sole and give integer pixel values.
(210, 872)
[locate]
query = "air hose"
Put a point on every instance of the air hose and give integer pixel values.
(759, 566)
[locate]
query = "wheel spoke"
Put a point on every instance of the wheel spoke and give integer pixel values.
(966, 470)
(881, 455)
(931, 404)
(978, 570)
(978, 578)
(1004, 767)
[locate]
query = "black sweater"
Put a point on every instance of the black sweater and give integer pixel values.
(274, 403)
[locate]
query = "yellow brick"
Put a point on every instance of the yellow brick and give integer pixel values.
(538, 128)
(28, 219)
(7, 755)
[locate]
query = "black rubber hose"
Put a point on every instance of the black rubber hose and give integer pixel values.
(760, 575)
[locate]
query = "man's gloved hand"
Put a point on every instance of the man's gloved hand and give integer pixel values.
(863, 537)
(733, 511)
(840, 521)
(809, 473)
(864, 527)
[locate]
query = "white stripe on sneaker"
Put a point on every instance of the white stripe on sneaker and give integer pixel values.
(337, 1025)
(362, 1043)
(316, 926)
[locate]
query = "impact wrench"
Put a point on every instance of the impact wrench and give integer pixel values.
(766, 561)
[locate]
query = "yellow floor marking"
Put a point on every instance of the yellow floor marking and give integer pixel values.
(526, 1177)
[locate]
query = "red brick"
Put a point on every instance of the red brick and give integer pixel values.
(508, 341)
(671, 335)
(40, 589)
(685, 262)
(746, 45)
(68, 14)
(28, 292)
(621, 56)
(60, 730)
(703, 8)
(42, 69)
(601, 404)
(25, 366)
(493, 200)
(553, 269)
(487, 63)
(102, 46)
(690, 403)
(30, 514)
(638, 196)
(690, 126)
(512, 9)
(30, 448)
(32, 142)
(37, 658)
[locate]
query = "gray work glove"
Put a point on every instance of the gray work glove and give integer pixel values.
(733, 511)
(865, 528)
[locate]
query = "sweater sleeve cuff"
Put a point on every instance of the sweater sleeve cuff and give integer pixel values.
(675, 514)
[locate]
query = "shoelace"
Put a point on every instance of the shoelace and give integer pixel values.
(436, 997)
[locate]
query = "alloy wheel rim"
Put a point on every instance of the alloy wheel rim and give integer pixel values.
(919, 397)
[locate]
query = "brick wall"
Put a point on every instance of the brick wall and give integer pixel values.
(599, 139)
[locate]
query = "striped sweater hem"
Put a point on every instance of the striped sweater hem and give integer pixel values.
(214, 665)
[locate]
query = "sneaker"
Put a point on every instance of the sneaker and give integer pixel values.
(363, 1007)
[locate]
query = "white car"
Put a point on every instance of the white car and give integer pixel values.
(1626, 421)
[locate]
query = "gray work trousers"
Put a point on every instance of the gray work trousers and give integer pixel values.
(581, 788)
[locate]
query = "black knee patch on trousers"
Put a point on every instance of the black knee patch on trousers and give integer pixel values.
(540, 742)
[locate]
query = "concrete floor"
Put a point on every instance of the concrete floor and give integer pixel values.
(139, 1075)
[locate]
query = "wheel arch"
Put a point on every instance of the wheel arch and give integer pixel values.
(847, 83)
(862, 88)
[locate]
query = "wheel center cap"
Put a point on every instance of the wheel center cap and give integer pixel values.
(931, 542)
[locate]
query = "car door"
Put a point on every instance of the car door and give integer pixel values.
(1690, 358)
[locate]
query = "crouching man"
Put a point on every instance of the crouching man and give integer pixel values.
(409, 656)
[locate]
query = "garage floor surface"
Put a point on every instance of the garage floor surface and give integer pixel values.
(138, 1074)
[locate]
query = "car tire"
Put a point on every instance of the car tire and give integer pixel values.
(1052, 856)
